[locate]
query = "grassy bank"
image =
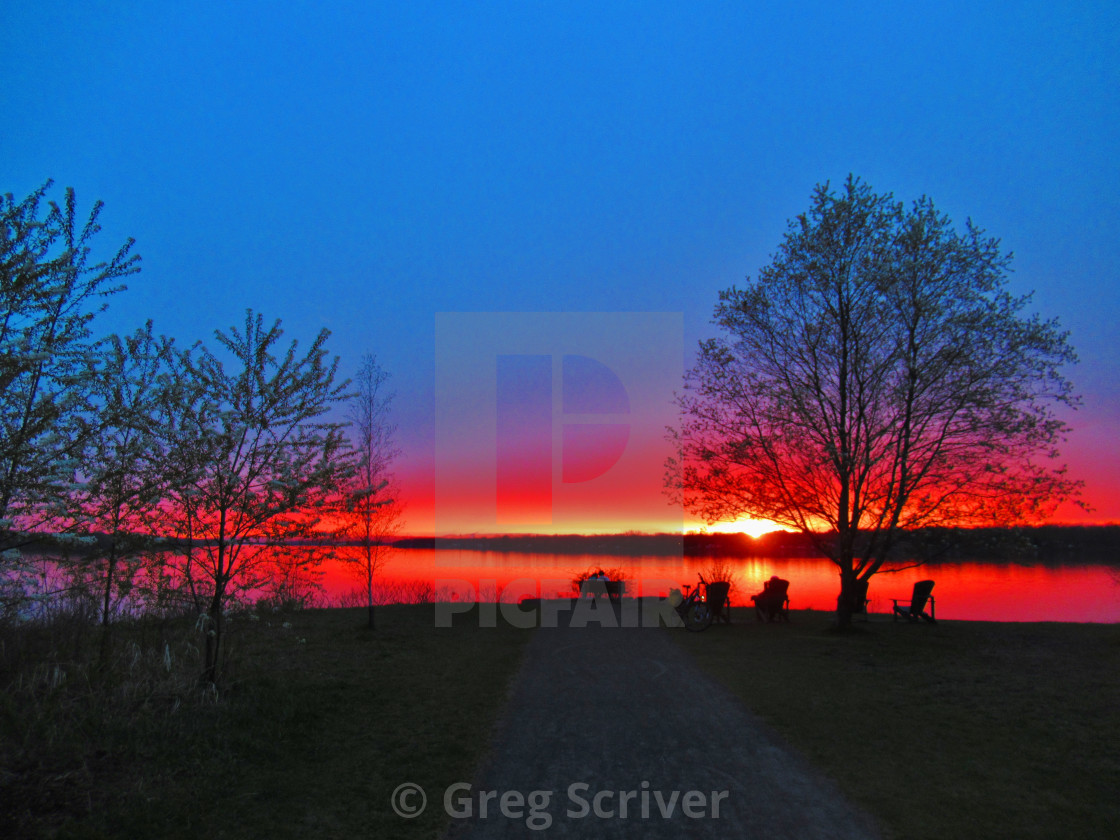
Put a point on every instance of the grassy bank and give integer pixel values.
(964, 729)
(316, 724)
(959, 730)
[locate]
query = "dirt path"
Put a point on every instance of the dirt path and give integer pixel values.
(623, 714)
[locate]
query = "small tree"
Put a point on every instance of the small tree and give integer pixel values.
(878, 376)
(50, 291)
(124, 463)
(190, 413)
(372, 507)
(256, 461)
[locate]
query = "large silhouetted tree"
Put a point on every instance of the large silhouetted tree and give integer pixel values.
(877, 376)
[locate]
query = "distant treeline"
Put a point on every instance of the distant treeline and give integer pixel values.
(1060, 544)
(1057, 544)
(1044, 543)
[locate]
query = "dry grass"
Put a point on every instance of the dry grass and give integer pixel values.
(720, 570)
(615, 573)
(316, 723)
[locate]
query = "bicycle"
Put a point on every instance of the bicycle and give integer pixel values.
(694, 609)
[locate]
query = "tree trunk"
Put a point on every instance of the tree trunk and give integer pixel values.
(369, 598)
(213, 630)
(845, 601)
(106, 607)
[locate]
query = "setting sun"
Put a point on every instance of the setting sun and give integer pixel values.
(751, 527)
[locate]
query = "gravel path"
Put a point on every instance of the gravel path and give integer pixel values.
(622, 714)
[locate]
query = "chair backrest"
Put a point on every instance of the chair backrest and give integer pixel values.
(717, 592)
(920, 598)
(779, 590)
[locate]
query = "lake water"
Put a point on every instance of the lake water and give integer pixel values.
(980, 591)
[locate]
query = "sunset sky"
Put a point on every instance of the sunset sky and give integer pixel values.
(403, 173)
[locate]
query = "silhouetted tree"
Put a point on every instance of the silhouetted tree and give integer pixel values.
(256, 460)
(50, 290)
(877, 376)
(124, 464)
(372, 506)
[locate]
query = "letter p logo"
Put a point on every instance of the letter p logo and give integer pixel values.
(593, 401)
(554, 422)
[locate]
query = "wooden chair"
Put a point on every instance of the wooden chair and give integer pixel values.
(915, 608)
(719, 600)
(772, 601)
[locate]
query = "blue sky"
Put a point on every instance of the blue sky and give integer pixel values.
(363, 166)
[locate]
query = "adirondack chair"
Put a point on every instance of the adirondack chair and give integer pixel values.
(915, 608)
(773, 600)
(719, 601)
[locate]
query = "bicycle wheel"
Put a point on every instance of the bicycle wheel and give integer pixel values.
(698, 617)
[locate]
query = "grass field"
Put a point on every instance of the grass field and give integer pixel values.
(316, 725)
(963, 729)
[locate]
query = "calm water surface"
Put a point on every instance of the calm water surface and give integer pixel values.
(968, 591)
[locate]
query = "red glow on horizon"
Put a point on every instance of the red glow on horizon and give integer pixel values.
(419, 516)
(615, 514)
